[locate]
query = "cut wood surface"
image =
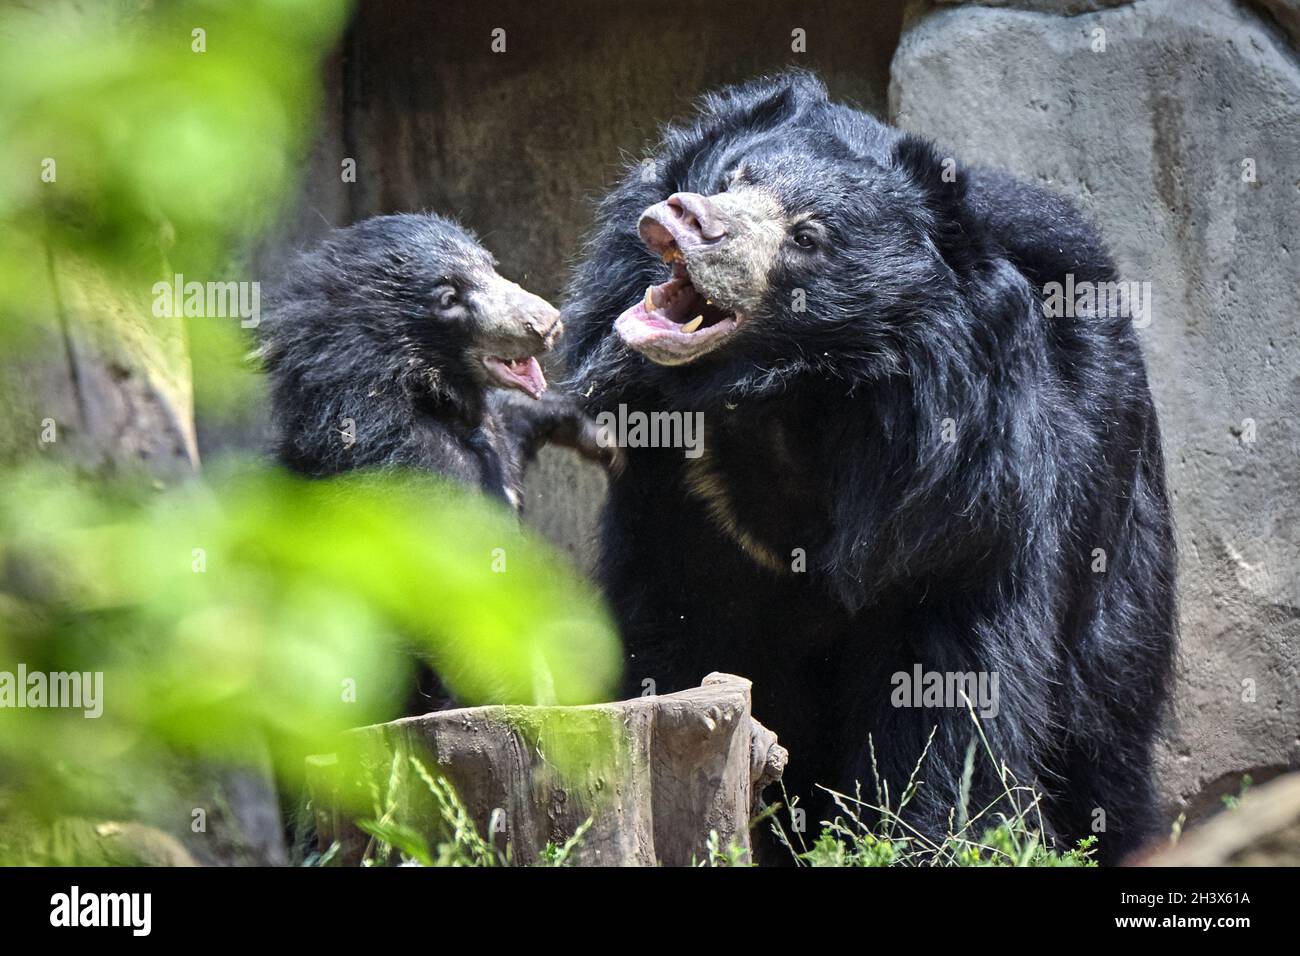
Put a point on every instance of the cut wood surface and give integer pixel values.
(654, 775)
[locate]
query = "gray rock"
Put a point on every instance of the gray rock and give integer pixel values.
(1151, 136)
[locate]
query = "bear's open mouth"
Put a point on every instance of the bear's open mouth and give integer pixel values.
(674, 323)
(524, 373)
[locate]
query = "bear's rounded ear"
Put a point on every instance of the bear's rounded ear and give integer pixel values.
(763, 103)
(941, 181)
(940, 178)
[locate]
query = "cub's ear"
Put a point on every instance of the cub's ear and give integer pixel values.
(942, 182)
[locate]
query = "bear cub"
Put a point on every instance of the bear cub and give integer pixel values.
(395, 343)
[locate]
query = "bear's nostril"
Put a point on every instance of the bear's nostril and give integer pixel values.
(696, 213)
(687, 219)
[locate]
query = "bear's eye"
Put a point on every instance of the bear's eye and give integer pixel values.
(444, 296)
(805, 239)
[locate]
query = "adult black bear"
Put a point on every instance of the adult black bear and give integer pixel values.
(908, 469)
(395, 343)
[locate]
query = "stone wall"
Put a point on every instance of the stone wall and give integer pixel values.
(1149, 135)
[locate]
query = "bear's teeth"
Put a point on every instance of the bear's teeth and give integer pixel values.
(649, 298)
(694, 324)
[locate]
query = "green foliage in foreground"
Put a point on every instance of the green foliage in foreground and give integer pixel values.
(720, 855)
(133, 150)
(164, 144)
(260, 610)
(251, 616)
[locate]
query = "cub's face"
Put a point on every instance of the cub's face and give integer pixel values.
(433, 293)
(791, 246)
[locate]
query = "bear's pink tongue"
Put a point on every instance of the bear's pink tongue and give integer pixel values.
(524, 374)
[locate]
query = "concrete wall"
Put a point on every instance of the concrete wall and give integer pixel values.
(1148, 136)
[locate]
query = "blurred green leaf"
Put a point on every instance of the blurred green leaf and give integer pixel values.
(251, 609)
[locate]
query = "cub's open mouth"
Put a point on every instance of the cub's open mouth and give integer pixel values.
(524, 374)
(674, 323)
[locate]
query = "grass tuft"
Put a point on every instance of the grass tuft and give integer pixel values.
(1007, 832)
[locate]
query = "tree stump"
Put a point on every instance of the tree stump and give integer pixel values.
(651, 778)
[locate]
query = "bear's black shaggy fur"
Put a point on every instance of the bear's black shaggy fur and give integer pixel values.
(384, 344)
(906, 462)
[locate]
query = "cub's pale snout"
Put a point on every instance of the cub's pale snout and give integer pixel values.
(513, 312)
(517, 326)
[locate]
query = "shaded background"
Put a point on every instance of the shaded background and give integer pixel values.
(1147, 134)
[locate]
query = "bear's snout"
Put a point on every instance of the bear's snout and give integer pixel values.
(684, 221)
